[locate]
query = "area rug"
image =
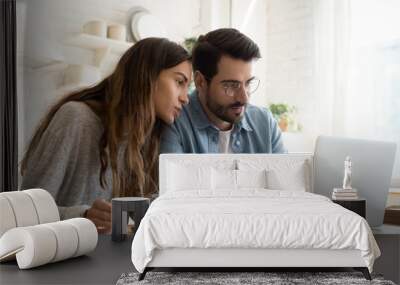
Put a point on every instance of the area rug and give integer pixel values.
(269, 278)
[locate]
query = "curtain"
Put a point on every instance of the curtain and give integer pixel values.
(331, 66)
(374, 103)
(357, 71)
(8, 97)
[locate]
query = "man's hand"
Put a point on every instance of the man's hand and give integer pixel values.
(100, 215)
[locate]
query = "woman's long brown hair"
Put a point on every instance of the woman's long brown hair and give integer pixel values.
(131, 130)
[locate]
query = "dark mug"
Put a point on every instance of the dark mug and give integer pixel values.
(122, 209)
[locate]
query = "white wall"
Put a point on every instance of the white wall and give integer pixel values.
(250, 17)
(289, 55)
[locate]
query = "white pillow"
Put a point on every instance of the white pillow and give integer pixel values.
(182, 177)
(293, 178)
(251, 179)
(224, 179)
(235, 179)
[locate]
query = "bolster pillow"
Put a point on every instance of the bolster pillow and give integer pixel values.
(40, 244)
(26, 208)
(31, 230)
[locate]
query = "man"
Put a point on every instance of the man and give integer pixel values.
(218, 118)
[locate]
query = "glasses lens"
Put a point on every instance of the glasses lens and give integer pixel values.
(253, 85)
(231, 88)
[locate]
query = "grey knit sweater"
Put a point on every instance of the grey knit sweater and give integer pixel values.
(66, 161)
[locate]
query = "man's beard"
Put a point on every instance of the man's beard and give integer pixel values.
(222, 112)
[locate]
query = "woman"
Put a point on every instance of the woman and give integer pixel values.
(103, 141)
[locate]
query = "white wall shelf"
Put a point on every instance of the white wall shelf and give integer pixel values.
(101, 46)
(95, 43)
(43, 64)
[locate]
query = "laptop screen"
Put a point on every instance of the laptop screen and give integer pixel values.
(372, 166)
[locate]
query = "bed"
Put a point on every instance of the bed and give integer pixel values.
(247, 211)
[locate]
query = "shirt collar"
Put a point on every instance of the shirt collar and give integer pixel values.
(200, 119)
(244, 123)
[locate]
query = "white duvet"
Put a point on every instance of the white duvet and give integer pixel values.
(252, 218)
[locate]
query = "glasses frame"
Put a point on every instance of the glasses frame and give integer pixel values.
(235, 91)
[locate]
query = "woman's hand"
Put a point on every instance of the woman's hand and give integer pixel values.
(100, 215)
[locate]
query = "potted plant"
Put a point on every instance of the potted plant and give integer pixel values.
(189, 43)
(284, 115)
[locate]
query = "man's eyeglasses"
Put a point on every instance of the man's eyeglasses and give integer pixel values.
(232, 87)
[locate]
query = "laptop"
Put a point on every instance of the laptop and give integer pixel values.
(372, 166)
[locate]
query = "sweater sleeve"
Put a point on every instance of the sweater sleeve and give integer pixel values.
(47, 169)
(54, 164)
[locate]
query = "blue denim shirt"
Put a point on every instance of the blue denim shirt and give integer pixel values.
(192, 132)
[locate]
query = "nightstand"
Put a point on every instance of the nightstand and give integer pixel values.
(357, 205)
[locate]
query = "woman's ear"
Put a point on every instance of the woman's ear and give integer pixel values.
(200, 81)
